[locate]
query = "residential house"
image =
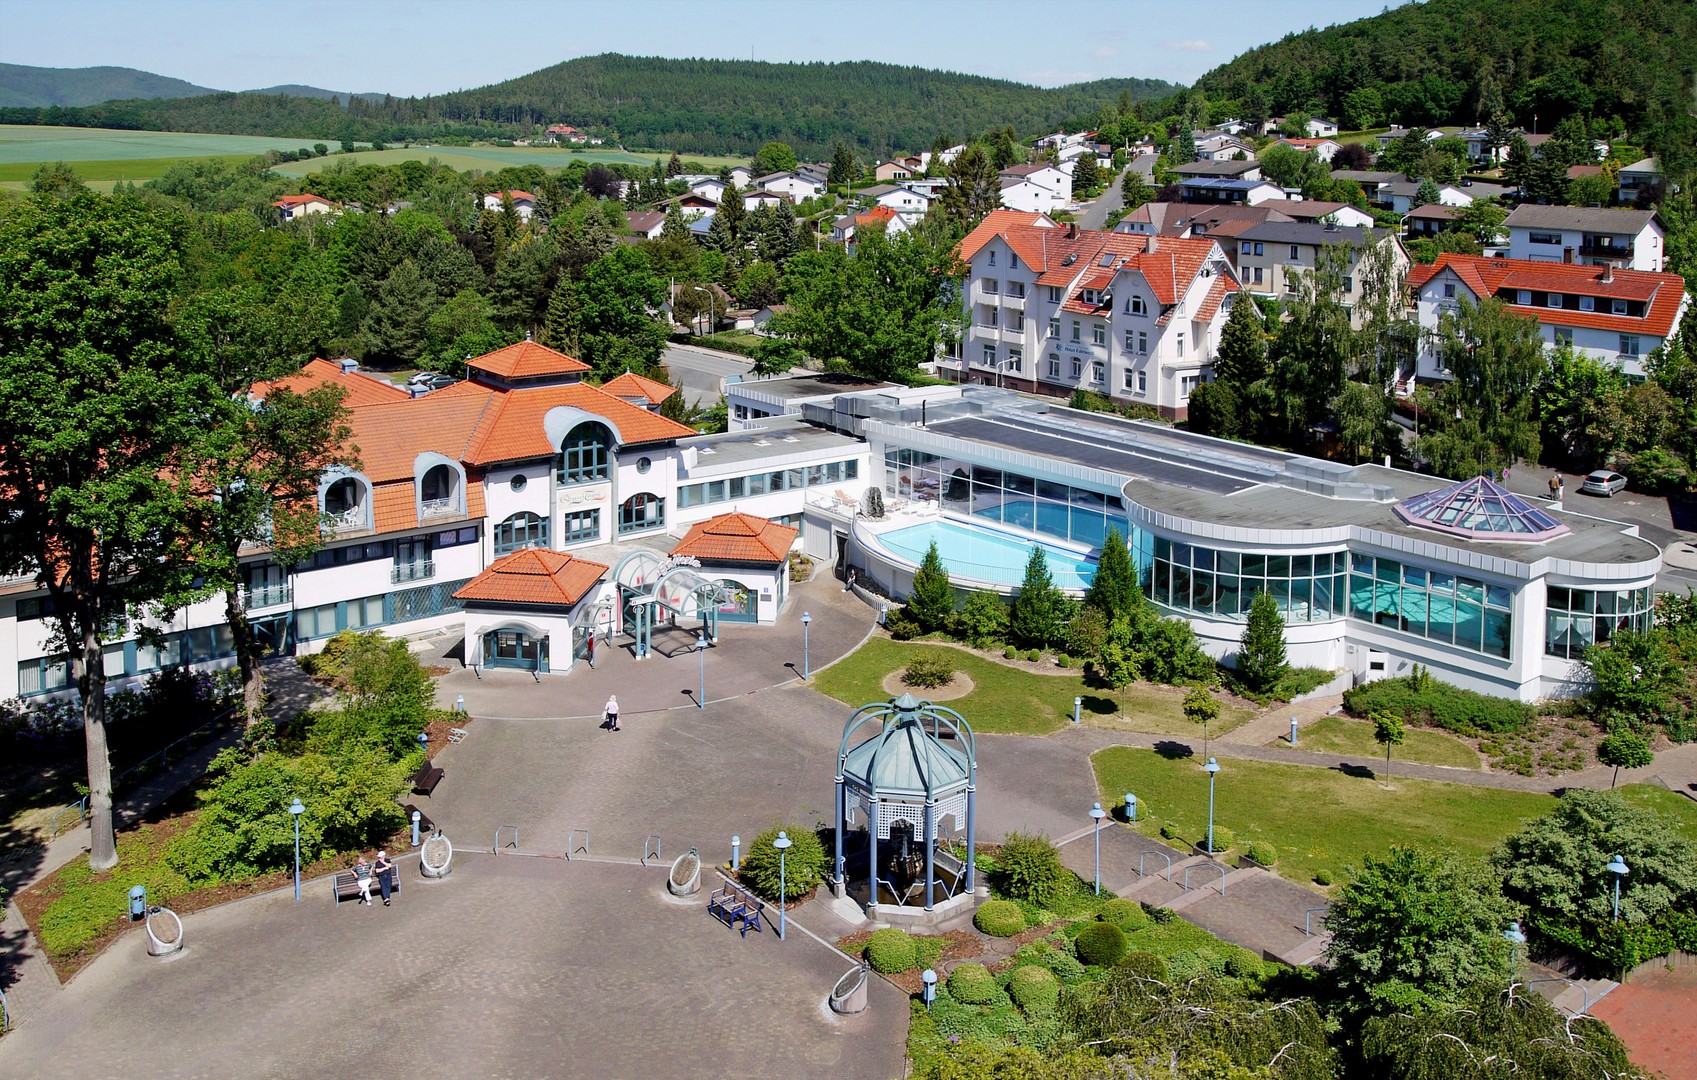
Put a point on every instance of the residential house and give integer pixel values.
(1399, 196)
(1321, 128)
(947, 157)
(646, 223)
(902, 168)
(1059, 309)
(524, 203)
(929, 186)
(565, 133)
(1049, 177)
(742, 176)
(1631, 239)
(797, 186)
(1231, 170)
(1370, 180)
(845, 228)
(903, 200)
(1215, 146)
(1222, 223)
(719, 305)
(693, 207)
(763, 316)
(290, 207)
(710, 188)
(1322, 210)
(1430, 220)
(1213, 189)
(1643, 175)
(1615, 315)
(1324, 149)
(1396, 134)
(1232, 127)
(1271, 258)
(763, 200)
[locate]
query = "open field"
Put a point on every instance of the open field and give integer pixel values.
(1336, 734)
(484, 158)
(24, 144)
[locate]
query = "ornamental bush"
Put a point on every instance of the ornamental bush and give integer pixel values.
(1145, 965)
(1009, 653)
(804, 863)
(1222, 839)
(1101, 944)
(1128, 915)
(999, 918)
(928, 672)
(1033, 655)
(902, 626)
(1265, 854)
(891, 950)
(1035, 990)
(972, 984)
(1029, 868)
(1426, 701)
(1322, 877)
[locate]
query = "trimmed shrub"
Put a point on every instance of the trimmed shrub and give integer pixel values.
(1145, 965)
(1035, 990)
(928, 672)
(1101, 944)
(804, 863)
(999, 918)
(1064, 964)
(1009, 653)
(1243, 964)
(972, 984)
(1169, 831)
(1322, 877)
(1223, 839)
(891, 950)
(1161, 916)
(1126, 914)
(902, 626)
(1265, 854)
(1033, 655)
(1426, 701)
(1063, 660)
(1029, 866)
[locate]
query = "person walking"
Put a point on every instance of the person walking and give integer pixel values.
(612, 710)
(1555, 487)
(589, 649)
(362, 877)
(384, 871)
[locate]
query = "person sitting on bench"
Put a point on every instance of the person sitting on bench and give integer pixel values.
(362, 875)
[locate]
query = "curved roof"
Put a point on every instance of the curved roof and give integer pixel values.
(1482, 509)
(904, 759)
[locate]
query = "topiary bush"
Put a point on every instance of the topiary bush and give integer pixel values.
(804, 863)
(972, 984)
(1169, 831)
(1244, 964)
(999, 918)
(928, 672)
(1033, 655)
(891, 950)
(1322, 877)
(1035, 990)
(1009, 653)
(1126, 914)
(1101, 944)
(1265, 854)
(1145, 965)
(1222, 840)
(1029, 868)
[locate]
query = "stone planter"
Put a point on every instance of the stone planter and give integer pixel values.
(436, 857)
(849, 995)
(685, 876)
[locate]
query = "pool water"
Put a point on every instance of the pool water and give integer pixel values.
(986, 555)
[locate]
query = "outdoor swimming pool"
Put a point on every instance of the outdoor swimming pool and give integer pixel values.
(985, 554)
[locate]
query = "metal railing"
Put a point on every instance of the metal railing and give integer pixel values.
(571, 835)
(1308, 919)
(413, 571)
(513, 843)
(1163, 855)
(268, 596)
(439, 507)
(1220, 884)
(650, 848)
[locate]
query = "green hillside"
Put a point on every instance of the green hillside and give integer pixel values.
(693, 106)
(1427, 63)
(33, 87)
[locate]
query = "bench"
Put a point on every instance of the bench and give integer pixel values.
(424, 781)
(425, 825)
(345, 885)
(737, 908)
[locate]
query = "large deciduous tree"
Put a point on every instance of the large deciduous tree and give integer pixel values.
(974, 188)
(1489, 417)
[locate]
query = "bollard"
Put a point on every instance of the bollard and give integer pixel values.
(459, 703)
(929, 978)
(1077, 709)
(415, 816)
(1293, 731)
(1130, 806)
(138, 902)
(736, 853)
(883, 613)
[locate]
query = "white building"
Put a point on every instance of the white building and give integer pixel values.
(524, 203)
(1041, 188)
(1629, 239)
(797, 186)
(290, 207)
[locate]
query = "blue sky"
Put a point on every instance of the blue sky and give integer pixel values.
(434, 46)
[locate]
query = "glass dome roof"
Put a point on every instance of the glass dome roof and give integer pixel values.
(1480, 510)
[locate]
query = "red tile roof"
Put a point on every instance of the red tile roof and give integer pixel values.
(631, 385)
(878, 215)
(1663, 293)
(1024, 231)
(362, 389)
(737, 538)
(534, 576)
(526, 359)
(511, 429)
(301, 200)
(1217, 292)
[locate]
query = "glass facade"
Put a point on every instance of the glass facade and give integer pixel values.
(581, 525)
(1579, 618)
(765, 483)
(524, 529)
(642, 512)
(1040, 506)
(1204, 581)
(1435, 604)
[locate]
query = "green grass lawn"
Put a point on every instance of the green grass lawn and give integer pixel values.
(1007, 699)
(1337, 735)
(1319, 819)
(1683, 811)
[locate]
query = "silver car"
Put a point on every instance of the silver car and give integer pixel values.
(1603, 482)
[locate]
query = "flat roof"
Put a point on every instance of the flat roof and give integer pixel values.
(798, 387)
(776, 438)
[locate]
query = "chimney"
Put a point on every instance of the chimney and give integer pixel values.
(1072, 230)
(1608, 274)
(1154, 243)
(348, 365)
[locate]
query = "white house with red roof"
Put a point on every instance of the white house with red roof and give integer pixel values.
(290, 207)
(1616, 316)
(524, 203)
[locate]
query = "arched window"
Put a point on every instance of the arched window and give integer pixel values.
(584, 454)
(522, 530)
(440, 485)
(342, 496)
(641, 512)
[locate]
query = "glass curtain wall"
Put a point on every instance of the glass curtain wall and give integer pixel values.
(1579, 618)
(1190, 578)
(1460, 611)
(991, 494)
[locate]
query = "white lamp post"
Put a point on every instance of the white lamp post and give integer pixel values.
(1213, 770)
(1096, 816)
(782, 843)
(1617, 866)
(806, 645)
(295, 811)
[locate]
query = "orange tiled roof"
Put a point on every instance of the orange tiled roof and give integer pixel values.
(362, 389)
(878, 215)
(740, 538)
(301, 200)
(534, 576)
(511, 430)
(1217, 292)
(632, 385)
(395, 506)
(526, 359)
(1663, 293)
(1023, 230)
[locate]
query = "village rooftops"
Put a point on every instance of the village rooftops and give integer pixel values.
(1315, 233)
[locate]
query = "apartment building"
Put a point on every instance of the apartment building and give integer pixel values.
(1271, 258)
(1595, 236)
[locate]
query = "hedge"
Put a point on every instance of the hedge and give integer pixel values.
(999, 918)
(1439, 704)
(972, 984)
(1621, 947)
(891, 950)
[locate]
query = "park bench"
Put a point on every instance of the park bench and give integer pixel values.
(425, 825)
(345, 885)
(424, 781)
(737, 908)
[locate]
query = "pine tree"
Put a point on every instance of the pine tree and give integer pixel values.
(1241, 358)
(782, 237)
(1134, 190)
(674, 165)
(563, 326)
(719, 236)
(974, 188)
(734, 213)
(394, 329)
(1427, 193)
(842, 165)
(1114, 590)
(1261, 659)
(931, 600)
(1035, 621)
(1086, 175)
(675, 227)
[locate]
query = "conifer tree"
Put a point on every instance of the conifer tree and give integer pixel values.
(1241, 358)
(1035, 620)
(1114, 590)
(932, 599)
(842, 165)
(1261, 659)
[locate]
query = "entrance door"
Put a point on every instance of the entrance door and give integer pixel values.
(840, 542)
(513, 649)
(740, 605)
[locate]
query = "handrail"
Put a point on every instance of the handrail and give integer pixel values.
(514, 843)
(650, 848)
(80, 806)
(1308, 917)
(1163, 855)
(1210, 865)
(1585, 1001)
(584, 847)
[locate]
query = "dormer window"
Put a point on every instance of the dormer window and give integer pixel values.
(585, 454)
(1092, 296)
(440, 490)
(346, 502)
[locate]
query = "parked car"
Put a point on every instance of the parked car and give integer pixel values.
(430, 380)
(1603, 482)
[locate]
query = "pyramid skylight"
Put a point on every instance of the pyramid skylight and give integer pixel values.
(1480, 510)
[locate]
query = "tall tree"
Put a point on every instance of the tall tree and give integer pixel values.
(1313, 348)
(974, 188)
(1113, 590)
(1241, 358)
(1261, 653)
(617, 294)
(1086, 175)
(1496, 359)
(393, 332)
(774, 157)
(96, 402)
(843, 168)
(931, 600)
(1134, 189)
(1035, 621)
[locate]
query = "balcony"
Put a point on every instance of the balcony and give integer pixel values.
(1595, 247)
(268, 596)
(413, 571)
(353, 517)
(440, 508)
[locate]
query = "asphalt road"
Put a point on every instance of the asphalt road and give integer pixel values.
(1092, 216)
(700, 373)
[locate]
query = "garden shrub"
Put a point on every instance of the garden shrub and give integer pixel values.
(891, 950)
(804, 864)
(1243, 964)
(999, 918)
(902, 626)
(1035, 990)
(928, 672)
(1427, 701)
(983, 622)
(1159, 915)
(1033, 655)
(1101, 944)
(1322, 877)
(1223, 839)
(1184, 965)
(1063, 661)
(1009, 653)
(972, 984)
(1213, 961)
(1169, 831)
(1126, 914)
(1145, 965)
(1063, 963)
(1029, 868)
(1265, 854)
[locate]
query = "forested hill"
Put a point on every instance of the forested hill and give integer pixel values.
(1426, 63)
(21, 85)
(693, 106)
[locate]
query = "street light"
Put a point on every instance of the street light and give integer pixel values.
(1516, 937)
(1213, 770)
(1096, 816)
(782, 843)
(806, 647)
(1617, 866)
(701, 651)
(295, 811)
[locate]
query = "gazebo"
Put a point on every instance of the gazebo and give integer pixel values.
(917, 767)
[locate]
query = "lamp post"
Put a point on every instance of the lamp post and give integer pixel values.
(295, 811)
(1213, 770)
(1617, 866)
(1096, 816)
(806, 645)
(782, 843)
(1515, 937)
(701, 653)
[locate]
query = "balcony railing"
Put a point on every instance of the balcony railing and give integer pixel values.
(268, 596)
(1591, 248)
(351, 518)
(413, 571)
(433, 508)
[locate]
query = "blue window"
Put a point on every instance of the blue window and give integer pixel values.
(522, 530)
(585, 454)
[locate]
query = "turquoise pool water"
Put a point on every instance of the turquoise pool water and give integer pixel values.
(986, 555)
